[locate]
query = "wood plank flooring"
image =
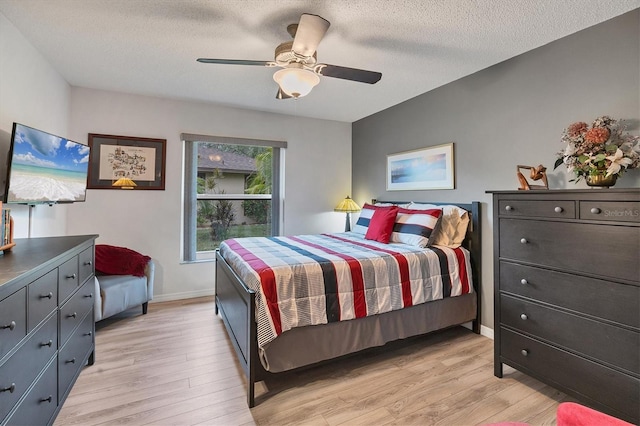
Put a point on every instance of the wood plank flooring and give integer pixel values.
(176, 366)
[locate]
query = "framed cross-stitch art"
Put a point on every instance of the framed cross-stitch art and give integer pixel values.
(115, 159)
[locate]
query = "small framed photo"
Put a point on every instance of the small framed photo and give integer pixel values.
(125, 162)
(426, 168)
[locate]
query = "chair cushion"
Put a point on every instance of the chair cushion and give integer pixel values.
(121, 292)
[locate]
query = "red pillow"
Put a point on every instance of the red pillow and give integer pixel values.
(381, 225)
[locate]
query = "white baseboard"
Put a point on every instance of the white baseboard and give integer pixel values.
(484, 330)
(180, 296)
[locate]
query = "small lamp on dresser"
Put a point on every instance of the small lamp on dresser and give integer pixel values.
(347, 206)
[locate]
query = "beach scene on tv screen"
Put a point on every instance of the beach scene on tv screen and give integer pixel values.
(46, 168)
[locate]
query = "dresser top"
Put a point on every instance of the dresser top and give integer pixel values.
(599, 195)
(599, 191)
(33, 255)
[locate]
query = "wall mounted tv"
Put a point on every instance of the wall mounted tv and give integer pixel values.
(44, 168)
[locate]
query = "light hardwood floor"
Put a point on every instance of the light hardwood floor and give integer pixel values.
(176, 366)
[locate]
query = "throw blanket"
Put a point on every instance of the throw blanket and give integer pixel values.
(316, 279)
(112, 260)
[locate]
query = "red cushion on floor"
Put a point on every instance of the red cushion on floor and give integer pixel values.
(507, 424)
(572, 414)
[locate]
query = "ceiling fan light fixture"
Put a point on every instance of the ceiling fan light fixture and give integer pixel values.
(296, 82)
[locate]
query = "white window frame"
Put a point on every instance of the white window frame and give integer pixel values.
(190, 195)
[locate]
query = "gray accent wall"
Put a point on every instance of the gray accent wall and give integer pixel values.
(509, 114)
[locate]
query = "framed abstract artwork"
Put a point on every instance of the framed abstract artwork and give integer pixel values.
(124, 162)
(426, 168)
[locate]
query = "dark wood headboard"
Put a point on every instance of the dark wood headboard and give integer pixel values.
(472, 240)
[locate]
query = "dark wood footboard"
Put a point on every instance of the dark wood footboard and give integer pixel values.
(236, 304)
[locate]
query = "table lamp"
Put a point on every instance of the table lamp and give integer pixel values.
(347, 206)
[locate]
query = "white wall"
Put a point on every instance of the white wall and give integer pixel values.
(317, 176)
(317, 163)
(34, 94)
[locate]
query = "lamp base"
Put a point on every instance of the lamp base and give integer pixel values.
(347, 225)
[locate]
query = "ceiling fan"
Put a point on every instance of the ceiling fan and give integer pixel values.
(298, 60)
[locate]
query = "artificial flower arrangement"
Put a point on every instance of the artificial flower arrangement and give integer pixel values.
(603, 149)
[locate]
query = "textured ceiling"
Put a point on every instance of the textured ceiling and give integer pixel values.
(150, 47)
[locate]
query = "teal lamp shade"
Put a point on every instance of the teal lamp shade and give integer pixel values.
(347, 206)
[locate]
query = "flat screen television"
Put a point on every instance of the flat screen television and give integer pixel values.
(45, 168)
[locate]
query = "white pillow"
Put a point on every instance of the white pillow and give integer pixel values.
(402, 206)
(452, 227)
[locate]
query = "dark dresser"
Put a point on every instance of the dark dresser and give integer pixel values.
(567, 292)
(46, 325)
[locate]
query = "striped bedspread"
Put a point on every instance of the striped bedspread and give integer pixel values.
(316, 279)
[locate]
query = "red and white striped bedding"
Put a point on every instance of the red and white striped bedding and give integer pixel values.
(316, 279)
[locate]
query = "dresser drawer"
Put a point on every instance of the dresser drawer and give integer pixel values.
(75, 309)
(556, 209)
(613, 345)
(13, 321)
(610, 211)
(603, 299)
(19, 371)
(67, 279)
(42, 298)
(579, 247)
(85, 265)
(73, 354)
(41, 401)
(603, 386)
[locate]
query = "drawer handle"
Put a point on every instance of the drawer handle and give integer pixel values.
(11, 326)
(595, 210)
(47, 296)
(71, 277)
(90, 295)
(524, 352)
(10, 389)
(88, 334)
(523, 241)
(524, 281)
(48, 399)
(71, 361)
(558, 209)
(508, 208)
(49, 343)
(524, 317)
(88, 263)
(73, 315)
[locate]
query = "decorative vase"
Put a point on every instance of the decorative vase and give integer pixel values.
(601, 179)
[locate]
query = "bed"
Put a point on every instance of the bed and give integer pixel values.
(263, 335)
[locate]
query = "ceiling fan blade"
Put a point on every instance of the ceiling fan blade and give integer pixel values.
(282, 95)
(311, 29)
(345, 73)
(236, 62)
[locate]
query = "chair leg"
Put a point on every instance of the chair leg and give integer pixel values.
(144, 308)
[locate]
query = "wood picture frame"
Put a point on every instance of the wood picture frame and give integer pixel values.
(421, 169)
(114, 157)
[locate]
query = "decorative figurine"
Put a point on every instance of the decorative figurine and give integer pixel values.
(537, 173)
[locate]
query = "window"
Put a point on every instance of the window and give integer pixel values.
(232, 188)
